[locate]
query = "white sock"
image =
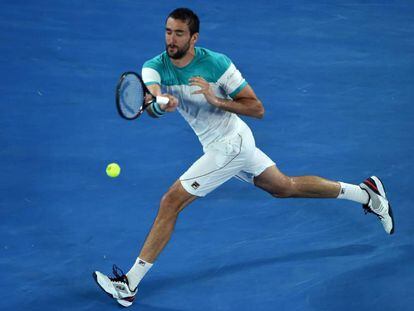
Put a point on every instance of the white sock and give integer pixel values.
(353, 193)
(137, 272)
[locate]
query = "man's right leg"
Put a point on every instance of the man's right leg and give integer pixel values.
(123, 287)
(172, 203)
(222, 160)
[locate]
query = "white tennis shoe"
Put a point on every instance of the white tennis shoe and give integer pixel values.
(378, 203)
(116, 287)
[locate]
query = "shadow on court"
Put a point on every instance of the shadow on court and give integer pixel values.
(350, 250)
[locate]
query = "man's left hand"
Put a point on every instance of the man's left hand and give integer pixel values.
(205, 89)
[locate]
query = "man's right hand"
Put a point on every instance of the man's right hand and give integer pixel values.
(172, 104)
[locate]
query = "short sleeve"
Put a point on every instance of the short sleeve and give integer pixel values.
(232, 81)
(151, 72)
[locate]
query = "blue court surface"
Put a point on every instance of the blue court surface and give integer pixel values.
(336, 79)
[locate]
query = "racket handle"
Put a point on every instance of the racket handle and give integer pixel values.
(162, 100)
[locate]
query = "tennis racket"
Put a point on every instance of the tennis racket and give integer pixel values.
(133, 97)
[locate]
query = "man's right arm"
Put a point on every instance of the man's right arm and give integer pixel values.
(152, 77)
(155, 90)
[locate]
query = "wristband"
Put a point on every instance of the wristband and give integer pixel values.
(158, 112)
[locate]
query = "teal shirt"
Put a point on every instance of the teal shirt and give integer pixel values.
(208, 122)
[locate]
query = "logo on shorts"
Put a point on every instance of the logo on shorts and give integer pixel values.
(195, 185)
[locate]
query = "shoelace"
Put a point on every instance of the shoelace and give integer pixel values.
(119, 275)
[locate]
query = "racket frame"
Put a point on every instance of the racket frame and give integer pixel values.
(146, 92)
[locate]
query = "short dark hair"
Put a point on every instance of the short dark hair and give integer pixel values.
(187, 16)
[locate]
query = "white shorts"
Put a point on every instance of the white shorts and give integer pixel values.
(235, 156)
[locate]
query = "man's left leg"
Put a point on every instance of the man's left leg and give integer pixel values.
(370, 193)
(282, 186)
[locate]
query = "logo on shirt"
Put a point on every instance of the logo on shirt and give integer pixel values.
(195, 185)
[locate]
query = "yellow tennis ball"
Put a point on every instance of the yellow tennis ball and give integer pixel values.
(113, 170)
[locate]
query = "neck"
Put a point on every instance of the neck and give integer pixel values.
(184, 61)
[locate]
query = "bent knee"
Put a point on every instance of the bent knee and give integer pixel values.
(169, 202)
(168, 210)
(173, 199)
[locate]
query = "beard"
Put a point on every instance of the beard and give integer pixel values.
(180, 53)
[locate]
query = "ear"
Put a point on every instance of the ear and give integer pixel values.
(194, 38)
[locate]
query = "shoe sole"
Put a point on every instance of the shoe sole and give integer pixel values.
(378, 181)
(122, 302)
(95, 277)
(392, 218)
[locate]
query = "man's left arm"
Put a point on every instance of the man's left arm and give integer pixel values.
(244, 103)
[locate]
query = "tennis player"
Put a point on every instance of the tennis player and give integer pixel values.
(209, 91)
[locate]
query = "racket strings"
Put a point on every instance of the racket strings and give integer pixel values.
(131, 94)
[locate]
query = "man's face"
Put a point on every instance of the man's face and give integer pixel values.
(177, 38)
